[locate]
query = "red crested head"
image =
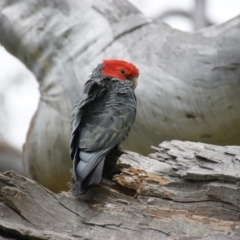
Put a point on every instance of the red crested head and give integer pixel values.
(121, 70)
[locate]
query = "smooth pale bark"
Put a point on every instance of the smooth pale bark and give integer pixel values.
(10, 158)
(183, 191)
(189, 85)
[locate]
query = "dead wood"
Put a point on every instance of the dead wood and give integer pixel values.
(184, 190)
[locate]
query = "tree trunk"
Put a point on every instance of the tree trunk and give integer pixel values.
(189, 85)
(184, 190)
(10, 158)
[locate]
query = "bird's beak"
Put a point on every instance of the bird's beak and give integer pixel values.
(134, 81)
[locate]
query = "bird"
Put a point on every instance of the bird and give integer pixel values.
(101, 119)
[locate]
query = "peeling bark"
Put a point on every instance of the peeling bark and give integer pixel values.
(183, 191)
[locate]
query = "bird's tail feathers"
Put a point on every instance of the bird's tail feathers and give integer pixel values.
(89, 169)
(88, 161)
(93, 178)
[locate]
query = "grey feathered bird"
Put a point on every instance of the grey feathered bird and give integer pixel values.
(101, 119)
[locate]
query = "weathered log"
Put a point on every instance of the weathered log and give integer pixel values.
(188, 87)
(183, 191)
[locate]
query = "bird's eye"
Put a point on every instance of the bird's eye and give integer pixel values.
(122, 71)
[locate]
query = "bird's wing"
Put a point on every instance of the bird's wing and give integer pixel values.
(92, 89)
(107, 120)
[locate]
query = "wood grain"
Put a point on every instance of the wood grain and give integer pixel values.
(183, 190)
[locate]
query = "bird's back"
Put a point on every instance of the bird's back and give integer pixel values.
(106, 120)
